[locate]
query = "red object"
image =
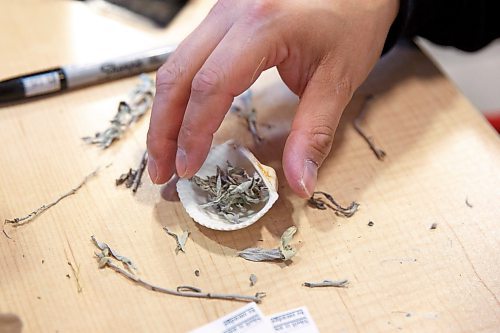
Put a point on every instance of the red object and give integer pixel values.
(494, 118)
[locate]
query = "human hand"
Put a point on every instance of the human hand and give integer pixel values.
(323, 50)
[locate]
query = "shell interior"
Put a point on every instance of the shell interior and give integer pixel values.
(192, 197)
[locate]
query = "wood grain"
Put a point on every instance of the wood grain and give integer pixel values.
(403, 276)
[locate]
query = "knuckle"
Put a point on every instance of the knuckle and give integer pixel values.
(168, 76)
(206, 81)
(344, 88)
(262, 8)
(321, 139)
(152, 140)
(187, 132)
(221, 7)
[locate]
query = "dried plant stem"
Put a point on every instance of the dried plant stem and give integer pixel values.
(134, 176)
(140, 172)
(18, 221)
(339, 210)
(76, 273)
(184, 291)
(379, 153)
(75, 268)
(326, 283)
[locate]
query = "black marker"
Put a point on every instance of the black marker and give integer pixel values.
(72, 76)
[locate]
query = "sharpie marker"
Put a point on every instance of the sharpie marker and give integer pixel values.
(73, 76)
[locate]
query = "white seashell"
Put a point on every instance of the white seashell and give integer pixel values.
(192, 197)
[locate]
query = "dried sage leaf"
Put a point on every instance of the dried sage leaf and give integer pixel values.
(283, 253)
(140, 101)
(316, 202)
(260, 254)
(232, 193)
(180, 240)
(287, 251)
(253, 280)
(106, 251)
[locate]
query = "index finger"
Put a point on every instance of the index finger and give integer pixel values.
(173, 82)
(231, 69)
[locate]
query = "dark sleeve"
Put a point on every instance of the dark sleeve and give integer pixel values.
(465, 24)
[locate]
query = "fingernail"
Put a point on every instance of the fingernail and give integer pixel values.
(152, 169)
(309, 176)
(180, 162)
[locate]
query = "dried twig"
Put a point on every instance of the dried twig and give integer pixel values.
(326, 283)
(128, 113)
(133, 177)
(18, 221)
(183, 291)
(76, 273)
(339, 210)
(76, 270)
(140, 171)
(379, 153)
(243, 107)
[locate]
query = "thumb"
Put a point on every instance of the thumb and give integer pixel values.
(311, 137)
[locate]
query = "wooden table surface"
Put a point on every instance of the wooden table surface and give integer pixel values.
(403, 275)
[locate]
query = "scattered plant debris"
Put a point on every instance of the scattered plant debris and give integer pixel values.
(283, 253)
(326, 283)
(379, 153)
(140, 101)
(318, 203)
(105, 260)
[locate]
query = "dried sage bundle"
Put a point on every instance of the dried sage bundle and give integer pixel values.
(180, 240)
(318, 203)
(243, 107)
(283, 253)
(133, 177)
(140, 101)
(232, 193)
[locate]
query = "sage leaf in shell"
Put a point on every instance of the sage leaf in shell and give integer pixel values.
(232, 193)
